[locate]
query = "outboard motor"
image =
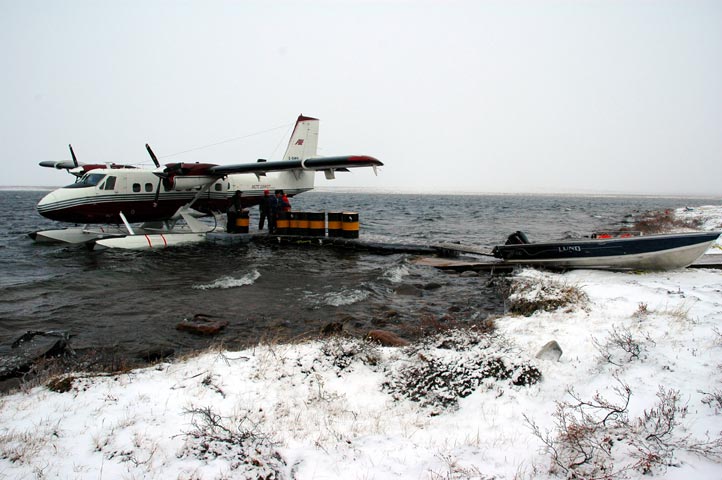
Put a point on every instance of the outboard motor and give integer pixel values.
(517, 238)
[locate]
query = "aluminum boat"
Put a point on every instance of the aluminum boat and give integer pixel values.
(644, 252)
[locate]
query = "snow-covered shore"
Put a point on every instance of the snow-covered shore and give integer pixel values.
(334, 408)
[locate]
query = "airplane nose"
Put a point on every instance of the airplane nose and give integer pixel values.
(47, 199)
(45, 205)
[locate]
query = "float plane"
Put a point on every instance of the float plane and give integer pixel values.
(112, 197)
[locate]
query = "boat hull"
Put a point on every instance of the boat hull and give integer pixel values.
(653, 252)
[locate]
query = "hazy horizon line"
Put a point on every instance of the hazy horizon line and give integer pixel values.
(441, 191)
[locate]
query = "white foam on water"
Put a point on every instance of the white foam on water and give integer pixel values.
(396, 274)
(231, 282)
(346, 296)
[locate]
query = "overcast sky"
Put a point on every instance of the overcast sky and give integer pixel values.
(487, 96)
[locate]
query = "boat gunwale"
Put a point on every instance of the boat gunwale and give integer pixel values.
(711, 235)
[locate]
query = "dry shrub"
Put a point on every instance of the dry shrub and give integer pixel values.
(431, 325)
(456, 471)
(343, 352)
(527, 295)
(61, 384)
(712, 399)
(622, 346)
(642, 312)
(453, 364)
(597, 439)
(660, 222)
(440, 382)
(239, 439)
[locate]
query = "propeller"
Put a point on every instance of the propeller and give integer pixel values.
(157, 192)
(152, 155)
(158, 174)
(72, 154)
(165, 176)
(70, 167)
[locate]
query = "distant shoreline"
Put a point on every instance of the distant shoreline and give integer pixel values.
(411, 191)
(26, 188)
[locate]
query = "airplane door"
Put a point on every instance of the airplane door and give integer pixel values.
(100, 190)
(110, 185)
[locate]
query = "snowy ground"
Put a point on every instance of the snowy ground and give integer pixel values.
(338, 408)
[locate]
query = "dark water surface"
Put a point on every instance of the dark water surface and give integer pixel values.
(130, 302)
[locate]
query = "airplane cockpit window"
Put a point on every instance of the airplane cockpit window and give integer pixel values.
(92, 178)
(109, 184)
(88, 180)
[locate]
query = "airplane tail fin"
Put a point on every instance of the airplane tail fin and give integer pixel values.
(304, 139)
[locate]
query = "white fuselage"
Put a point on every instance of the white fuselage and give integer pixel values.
(102, 194)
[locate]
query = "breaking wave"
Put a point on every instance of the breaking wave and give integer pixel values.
(342, 297)
(230, 282)
(396, 274)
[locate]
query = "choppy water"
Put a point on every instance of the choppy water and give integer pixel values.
(130, 302)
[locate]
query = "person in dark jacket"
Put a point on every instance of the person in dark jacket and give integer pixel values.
(263, 209)
(272, 212)
(234, 210)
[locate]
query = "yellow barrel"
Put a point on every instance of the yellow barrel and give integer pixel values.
(302, 223)
(334, 224)
(283, 223)
(242, 222)
(349, 224)
(316, 224)
(292, 223)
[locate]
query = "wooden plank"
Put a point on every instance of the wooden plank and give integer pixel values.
(713, 260)
(344, 243)
(459, 248)
(461, 265)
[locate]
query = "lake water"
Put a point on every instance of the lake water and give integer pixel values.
(128, 303)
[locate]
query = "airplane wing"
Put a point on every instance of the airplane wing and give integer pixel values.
(321, 163)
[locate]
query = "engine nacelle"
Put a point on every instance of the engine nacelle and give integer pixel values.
(187, 182)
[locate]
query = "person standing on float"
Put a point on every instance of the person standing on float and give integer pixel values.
(234, 211)
(272, 212)
(264, 209)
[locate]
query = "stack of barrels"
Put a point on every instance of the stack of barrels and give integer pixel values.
(313, 224)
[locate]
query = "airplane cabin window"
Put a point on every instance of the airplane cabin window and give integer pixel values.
(109, 184)
(219, 187)
(136, 187)
(148, 187)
